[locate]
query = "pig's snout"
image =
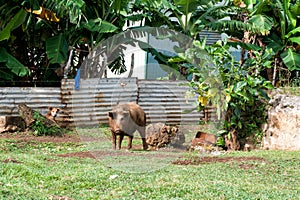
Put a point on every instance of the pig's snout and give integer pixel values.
(118, 131)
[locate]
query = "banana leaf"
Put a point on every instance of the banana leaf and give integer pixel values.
(57, 49)
(12, 63)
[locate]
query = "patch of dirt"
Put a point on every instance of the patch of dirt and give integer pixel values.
(27, 137)
(247, 166)
(205, 160)
(55, 197)
(107, 153)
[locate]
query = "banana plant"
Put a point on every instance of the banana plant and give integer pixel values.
(11, 66)
(39, 34)
(288, 25)
(281, 18)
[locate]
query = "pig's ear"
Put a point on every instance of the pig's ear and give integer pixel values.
(111, 115)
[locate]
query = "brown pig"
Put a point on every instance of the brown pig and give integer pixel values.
(124, 120)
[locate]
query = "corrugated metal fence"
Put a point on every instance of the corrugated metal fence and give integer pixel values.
(37, 98)
(163, 101)
(89, 105)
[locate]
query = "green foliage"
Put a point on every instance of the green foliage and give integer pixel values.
(13, 64)
(57, 49)
(262, 22)
(11, 67)
(236, 91)
(40, 129)
(284, 28)
(18, 19)
(100, 26)
(267, 29)
(291, 59)
(245, 92)
(39, 34)
(221, 142)
(72, 9)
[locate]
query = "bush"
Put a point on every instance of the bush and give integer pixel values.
(237, 91)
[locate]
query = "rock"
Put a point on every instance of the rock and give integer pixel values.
(159, 135)
(283, 127)
(177, 138)
(11, 124)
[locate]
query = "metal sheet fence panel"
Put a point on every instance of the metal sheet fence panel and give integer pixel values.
(37, 98)
(164, 101)
(89, 105)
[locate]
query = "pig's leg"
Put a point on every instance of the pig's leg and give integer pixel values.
(130, 142)
(114, 138)
(120, 141)
(143, 136)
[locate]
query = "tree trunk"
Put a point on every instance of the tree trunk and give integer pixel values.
(131, 66)
(11, 124)
(232, 142)
(28, 115)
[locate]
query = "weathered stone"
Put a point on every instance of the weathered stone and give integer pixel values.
(177, 138)
(283, 127)
(11, 124)
(159, 135)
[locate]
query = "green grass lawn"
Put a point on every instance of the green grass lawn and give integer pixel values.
(32, 170)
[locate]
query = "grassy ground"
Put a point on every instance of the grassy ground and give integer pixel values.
(39, 169)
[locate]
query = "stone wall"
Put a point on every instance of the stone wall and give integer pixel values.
(283, 127)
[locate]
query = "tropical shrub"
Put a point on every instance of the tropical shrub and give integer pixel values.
(237, 91)
(280, 33)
